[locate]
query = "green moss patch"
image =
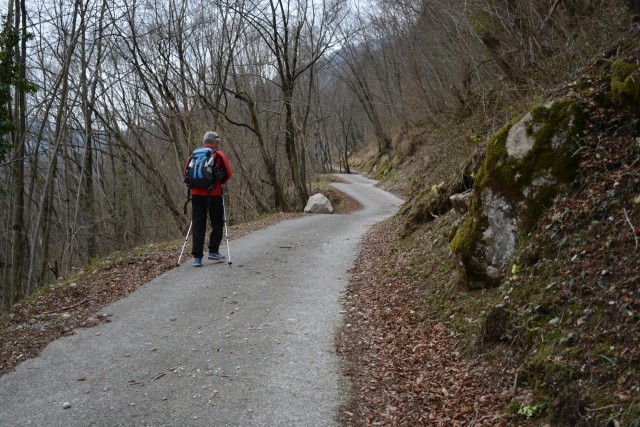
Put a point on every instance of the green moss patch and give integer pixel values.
(528, 163)
(625, 83)
(511, 176)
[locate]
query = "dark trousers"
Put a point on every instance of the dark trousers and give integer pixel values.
(199, 207)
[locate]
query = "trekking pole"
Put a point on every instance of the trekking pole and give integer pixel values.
(184, 244)
(226, 233)
(190, 223)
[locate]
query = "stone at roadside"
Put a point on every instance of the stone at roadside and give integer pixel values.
(318, 204)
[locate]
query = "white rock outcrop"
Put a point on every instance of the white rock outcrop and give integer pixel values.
(318, 204)
(527, 165)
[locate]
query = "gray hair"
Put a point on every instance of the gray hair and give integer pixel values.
(211, 136)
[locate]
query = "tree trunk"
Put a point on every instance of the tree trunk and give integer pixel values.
(20, 240)
(88, 89)
(279, 199)
(43, 217)
(301, 193)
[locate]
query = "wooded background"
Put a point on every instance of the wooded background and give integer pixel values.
(102, 102)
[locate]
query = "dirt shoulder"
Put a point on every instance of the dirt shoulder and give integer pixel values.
(407, 369)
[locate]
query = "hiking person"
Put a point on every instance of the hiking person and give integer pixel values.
(207, 200)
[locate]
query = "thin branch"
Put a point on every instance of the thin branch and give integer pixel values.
(633, 230)
(11, 161)
(604, 407)
(546, 18)
(64, 308)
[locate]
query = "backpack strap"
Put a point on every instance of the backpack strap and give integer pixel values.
(218, 161)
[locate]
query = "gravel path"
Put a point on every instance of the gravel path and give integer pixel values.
(249, 344)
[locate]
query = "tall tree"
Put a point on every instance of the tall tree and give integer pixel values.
(91, 57)
(297, 33)
(61, 133)
(16, 49)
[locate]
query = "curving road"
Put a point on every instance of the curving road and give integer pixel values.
(249, 344)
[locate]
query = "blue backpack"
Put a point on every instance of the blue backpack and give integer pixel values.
(204, 169)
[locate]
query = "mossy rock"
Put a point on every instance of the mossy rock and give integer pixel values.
(528, 162)
(428, 205)
(625, 83)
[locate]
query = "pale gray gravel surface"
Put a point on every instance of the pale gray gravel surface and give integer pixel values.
(247, 344)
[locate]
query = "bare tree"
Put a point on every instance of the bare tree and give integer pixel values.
(17, 16)
(298, 34)
(354, 75)
(43, 216)
(91, 57)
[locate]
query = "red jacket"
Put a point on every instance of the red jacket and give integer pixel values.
(216, 190)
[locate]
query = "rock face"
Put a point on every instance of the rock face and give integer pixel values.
(318, 203)
(460, 201)
(527, 164)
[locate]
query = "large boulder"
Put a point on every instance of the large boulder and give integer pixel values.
(318, 203)
(527, 164)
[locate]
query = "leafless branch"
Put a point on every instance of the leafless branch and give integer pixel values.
(633, 230)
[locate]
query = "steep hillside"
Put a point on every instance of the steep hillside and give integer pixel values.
(561, 330)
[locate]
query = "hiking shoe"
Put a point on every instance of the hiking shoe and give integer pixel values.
(215, 256)
(197, 262)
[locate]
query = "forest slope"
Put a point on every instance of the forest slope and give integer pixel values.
(558, 341)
